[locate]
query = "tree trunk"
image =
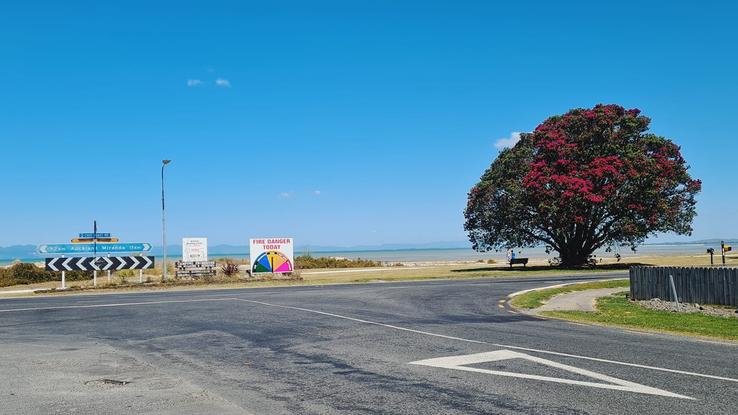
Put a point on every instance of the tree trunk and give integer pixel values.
(574, 255)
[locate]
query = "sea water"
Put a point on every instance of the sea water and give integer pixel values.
(462, 254)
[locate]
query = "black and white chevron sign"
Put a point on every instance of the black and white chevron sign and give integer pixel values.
(103, 263)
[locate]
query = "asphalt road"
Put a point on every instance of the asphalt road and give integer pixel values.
(435, 347)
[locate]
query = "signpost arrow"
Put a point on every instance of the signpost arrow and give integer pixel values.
(62, 249)
(52, 264)
(65, 264)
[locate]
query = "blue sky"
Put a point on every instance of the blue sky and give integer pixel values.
(337, 123)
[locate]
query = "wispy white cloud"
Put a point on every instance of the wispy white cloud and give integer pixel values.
(285, 195)
(194, 82)
(222, 82)
(508, 142)
(316, 192)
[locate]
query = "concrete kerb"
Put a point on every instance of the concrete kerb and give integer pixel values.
(521, 292)
(30, 291)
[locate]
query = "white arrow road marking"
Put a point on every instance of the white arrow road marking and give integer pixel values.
(460, 362)
(122, 262)
(65, 264)
(51, 264)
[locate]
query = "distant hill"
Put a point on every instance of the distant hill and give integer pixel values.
(18, 252)
(29, 251)
(712, 241)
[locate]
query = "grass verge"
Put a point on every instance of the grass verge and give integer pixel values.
(535, 299)
(619, 311)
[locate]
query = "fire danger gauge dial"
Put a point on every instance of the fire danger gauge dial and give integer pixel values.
(272, 261)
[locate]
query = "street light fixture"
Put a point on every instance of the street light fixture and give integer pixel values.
(164, 218)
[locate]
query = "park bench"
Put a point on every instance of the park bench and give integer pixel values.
(514, 261)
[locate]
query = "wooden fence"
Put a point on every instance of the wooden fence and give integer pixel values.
(702, 285)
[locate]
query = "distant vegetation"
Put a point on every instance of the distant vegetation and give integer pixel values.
(308, 262)
(25, 273)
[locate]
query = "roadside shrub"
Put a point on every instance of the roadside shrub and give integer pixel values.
(307, 262)
(127, 273)
(27, 273)
(229, 269)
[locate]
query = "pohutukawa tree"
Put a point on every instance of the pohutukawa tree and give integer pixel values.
(587, 179)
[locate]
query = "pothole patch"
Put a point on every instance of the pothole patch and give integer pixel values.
(106, 381)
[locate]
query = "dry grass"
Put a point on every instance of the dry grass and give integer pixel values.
(385, 274)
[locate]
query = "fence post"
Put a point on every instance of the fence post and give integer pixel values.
(673, 290)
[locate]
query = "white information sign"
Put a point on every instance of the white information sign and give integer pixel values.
(194, 249)
(271, 255)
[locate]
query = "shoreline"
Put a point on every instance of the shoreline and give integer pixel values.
(681, 259)
(450, 255)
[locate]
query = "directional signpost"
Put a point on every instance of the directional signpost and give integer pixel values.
(68, 249)
(83, 253)
(87, 259)
(724, 248)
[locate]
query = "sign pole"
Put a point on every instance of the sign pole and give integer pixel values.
(164, 220)
(94, 254)
(108, 272)
(94, 236)
(722, 250)
(64, 278)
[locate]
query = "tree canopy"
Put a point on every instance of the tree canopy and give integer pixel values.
(583, 180)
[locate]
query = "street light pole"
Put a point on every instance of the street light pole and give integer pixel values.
(164, 219)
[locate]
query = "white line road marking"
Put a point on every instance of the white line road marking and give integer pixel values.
(615, 362)
(358, 320)
(459, 362)
(66, 307)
